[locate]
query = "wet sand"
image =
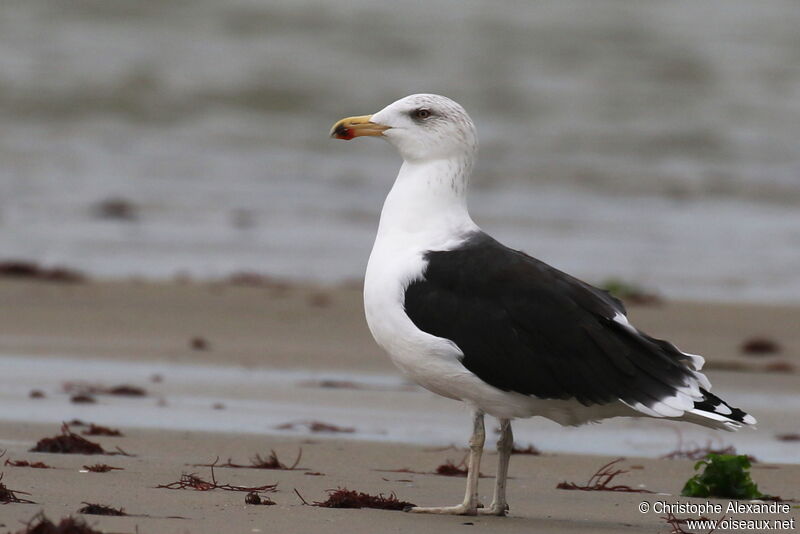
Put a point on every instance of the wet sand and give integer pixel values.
(322, 329)
(289, 326)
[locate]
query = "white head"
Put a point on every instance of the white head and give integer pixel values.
(422, 127)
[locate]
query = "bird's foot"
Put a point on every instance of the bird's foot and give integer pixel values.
(459, 509)
(494, 509)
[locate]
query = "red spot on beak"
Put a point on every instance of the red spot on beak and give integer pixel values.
(343, 132)
(352, 127)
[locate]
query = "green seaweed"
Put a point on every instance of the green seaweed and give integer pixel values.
(725, 475)
(629, 292)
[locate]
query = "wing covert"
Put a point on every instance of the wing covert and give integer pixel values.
(526, 327)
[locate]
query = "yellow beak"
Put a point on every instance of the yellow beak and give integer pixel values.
(356, 127)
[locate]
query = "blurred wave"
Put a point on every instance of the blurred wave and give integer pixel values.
(652, 141)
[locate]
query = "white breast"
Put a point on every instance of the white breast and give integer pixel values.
(425, 210)
(427, 359)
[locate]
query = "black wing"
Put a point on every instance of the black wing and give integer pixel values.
(524, 326)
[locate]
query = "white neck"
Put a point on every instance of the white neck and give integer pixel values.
(429, 197)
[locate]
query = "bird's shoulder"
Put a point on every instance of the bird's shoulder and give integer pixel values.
(483, 268)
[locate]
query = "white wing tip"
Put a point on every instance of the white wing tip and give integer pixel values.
(696, 360)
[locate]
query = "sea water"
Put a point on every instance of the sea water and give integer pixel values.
(656, 142)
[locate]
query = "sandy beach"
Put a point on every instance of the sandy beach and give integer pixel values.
(183, 245)
(282, 339)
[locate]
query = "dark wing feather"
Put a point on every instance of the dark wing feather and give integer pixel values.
(524, 326)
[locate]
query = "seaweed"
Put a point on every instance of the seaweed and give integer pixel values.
(36, 394)
(448, 469)
(779, 367)
(82, 398)
(345, 498)
(451, 469)
(116, 208)
(101, 509)
(788, 437)
(251, 279)
(194, 482)
(190, 481)
(694, 451)
(26, 463)
(319, 300)
(630, 293)
(316, 426)
(39, 524)
(33, 271)
(198, 343)
(397, 480)
(724, 475)
(68, 443)
(258, 462)
(123, 390)
(329, 383)
(254, 498)
(8, 495)
(530, 449)
(403, 470)
(601, 479)
(760, 346)
(102, 468)
(71, 443)
(332, 383)
(98, 430)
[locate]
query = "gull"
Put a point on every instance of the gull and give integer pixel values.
(512, 337)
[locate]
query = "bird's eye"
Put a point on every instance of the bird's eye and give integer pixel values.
(422, 113)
